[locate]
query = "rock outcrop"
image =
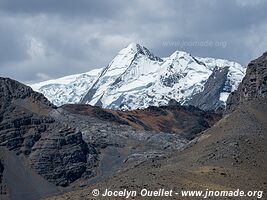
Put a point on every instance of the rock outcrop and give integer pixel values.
(231, 154)
(209, 98)
(12, 90)
(75, 145)
(53, 150)
(3, 186)
(62, 156)
(254, 84)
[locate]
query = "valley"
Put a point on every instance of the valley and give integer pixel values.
(65, 152)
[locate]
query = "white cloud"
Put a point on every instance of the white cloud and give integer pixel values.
(36, 48)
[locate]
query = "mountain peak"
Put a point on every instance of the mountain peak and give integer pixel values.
(132, 45)
(178, 54)
(135, 48)
(13, 91)
(136, 78)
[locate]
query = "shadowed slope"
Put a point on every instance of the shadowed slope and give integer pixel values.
(230, 155)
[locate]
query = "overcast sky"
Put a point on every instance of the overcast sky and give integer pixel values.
(43, 39)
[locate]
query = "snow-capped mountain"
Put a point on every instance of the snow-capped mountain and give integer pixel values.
(136, 78)
(68, 89)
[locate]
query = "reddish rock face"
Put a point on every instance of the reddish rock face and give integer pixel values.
(174, 118)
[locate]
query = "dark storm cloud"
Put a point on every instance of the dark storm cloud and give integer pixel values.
(47, 39)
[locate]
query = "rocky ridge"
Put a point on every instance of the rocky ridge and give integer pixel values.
(52, 148)
(229, 155)
(254, 84)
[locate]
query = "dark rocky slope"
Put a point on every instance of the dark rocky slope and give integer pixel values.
(49, 148)
(208, 99)
(253, 86)
(52, 149)
(184, 120)
(229, 155)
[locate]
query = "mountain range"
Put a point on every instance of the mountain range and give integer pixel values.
(46, 150)
(137, 79)
(229, 155)
(64, 152)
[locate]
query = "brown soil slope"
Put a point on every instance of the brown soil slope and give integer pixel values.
(230, 155)
(186, 120)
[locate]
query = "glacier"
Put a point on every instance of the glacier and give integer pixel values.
(137, 79)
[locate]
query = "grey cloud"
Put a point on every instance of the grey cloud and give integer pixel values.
(12, 45)
(94, 8)
(48, 39)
